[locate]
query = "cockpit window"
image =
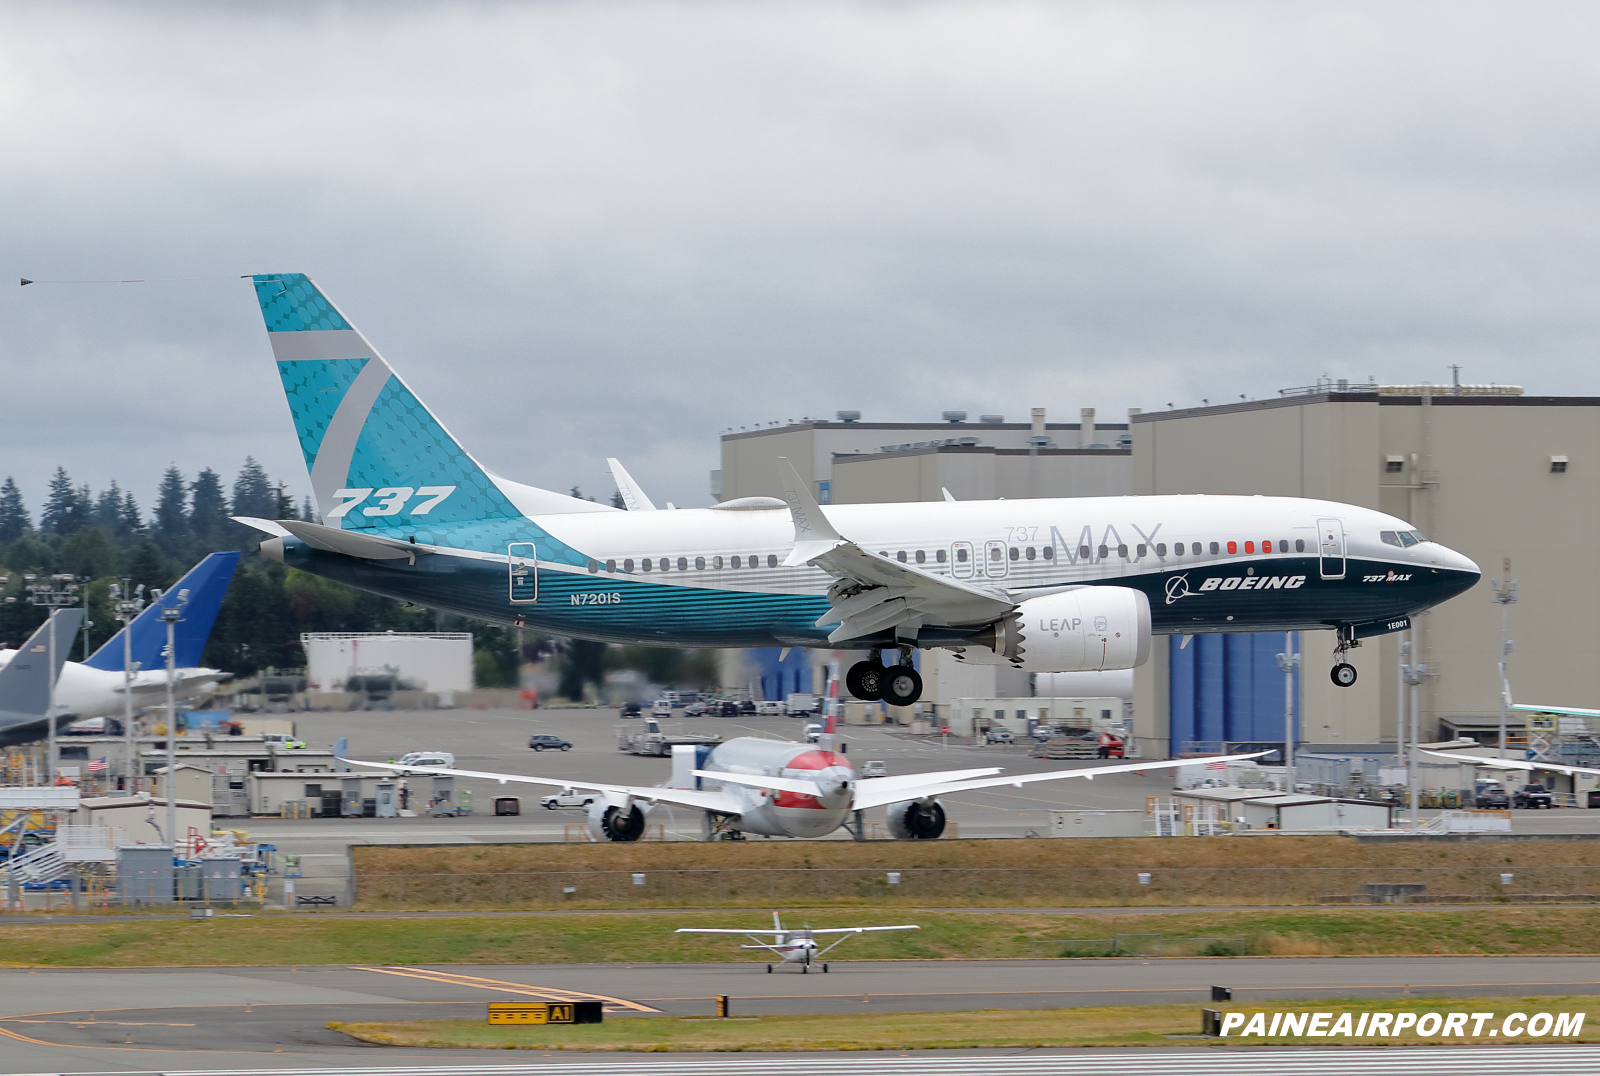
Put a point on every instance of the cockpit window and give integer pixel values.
(1408, 538)
(1417, 535)
(1389, 537)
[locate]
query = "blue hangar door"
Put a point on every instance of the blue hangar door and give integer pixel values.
(1228, 689)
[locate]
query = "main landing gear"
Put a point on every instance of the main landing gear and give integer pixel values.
(897, 685)
(1343, 674)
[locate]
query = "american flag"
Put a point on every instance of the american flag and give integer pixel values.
(97, 766)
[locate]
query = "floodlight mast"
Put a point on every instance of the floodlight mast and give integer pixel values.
(1505, 593)
(60, 592)
(1288, 662)
(129, 601)
(170, 615)
(1412, 675)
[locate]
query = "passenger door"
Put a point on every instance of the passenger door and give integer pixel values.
(1330, 548)
(522, 567)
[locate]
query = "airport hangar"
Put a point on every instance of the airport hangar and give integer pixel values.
(1484, 469)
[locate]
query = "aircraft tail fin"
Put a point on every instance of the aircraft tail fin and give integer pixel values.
(26, 678)
(207, 584)
(379, 459)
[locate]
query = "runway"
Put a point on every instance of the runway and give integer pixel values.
(89, 1020)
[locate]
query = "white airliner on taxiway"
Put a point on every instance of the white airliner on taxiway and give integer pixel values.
(794, 946)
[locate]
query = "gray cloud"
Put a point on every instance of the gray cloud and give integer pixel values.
(585, 230)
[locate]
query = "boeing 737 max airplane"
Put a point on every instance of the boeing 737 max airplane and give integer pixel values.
(1054, 585)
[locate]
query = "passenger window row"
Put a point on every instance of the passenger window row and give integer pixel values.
(700, 564)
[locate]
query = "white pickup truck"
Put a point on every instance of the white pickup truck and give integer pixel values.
(569, 797)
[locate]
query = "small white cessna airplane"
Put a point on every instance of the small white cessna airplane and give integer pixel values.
(795, 946)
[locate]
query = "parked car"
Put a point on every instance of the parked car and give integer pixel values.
(540, 741)
(747, 707)
(770, 709)
(1533, 797)
(440, 759)
(568, 797)
(632, 709)
(874, 768)
(695, 709)
(813, 732)
(1492, 798)
(730, 709)
(998, 735)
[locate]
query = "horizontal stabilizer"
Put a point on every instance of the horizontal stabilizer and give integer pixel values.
(333, 540)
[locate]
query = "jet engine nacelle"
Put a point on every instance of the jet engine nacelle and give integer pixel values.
(914, 820)
(615, 823)
(1089, 629)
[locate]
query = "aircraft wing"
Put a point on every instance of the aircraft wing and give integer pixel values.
(869, 795)
(874, 591)
(782, 784)
(1509, 763)
(720, 802)
(1575, 711)
(914, 780)
(864, 930)
(717, 930)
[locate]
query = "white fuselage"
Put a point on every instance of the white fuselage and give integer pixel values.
(91, 692)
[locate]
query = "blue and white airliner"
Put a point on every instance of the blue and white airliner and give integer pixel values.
(1049, 585)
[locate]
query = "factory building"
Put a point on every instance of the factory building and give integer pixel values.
(1485, 470)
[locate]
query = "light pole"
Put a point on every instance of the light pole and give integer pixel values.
(129, 600)
(60, 592)
(1288, 662)
(171, 613)
(1505, 592)
(1412, 674)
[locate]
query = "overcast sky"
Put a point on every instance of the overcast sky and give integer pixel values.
(592, 229)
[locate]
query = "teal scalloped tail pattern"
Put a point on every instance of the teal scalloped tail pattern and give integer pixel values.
(291, 303)
(314, 388)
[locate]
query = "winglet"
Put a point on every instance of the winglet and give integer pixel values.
(813, 534)
(632, 496)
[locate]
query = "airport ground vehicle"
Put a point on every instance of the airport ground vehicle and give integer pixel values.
(770, 709)
(289, 743)
(1532, 798)
(540, 741)
(567, 797)
(874, 768)
(696, 709)
(661, 708)
(425, 758)
(1492, 797)
(800, 704)
(631, 709)
(813, 732)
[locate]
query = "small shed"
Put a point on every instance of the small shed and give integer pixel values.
(142, 817)
(192, 782)
(320, 794)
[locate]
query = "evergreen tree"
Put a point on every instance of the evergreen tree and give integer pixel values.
(208, 513)
(108, 508)
(128, 521)
(171, 515)
(146, 565)
(14, 521)
(64, 512)
(617, 501)
(307, 513)
(253, 495)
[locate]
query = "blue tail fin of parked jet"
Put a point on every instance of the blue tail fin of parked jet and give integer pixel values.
(379, 459)
(207, 583)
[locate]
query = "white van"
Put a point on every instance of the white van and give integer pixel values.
(771, 709)
(661, 708)
(443, 760)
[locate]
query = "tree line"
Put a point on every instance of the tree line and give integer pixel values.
(105, 537)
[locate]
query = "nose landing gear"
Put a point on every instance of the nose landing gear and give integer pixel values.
(1343, 674)
(897, 685)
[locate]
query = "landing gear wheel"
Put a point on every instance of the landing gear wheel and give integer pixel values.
(901, 685)
(805, 969)
(769, 969)
(865, 681)
(824, 969)
(1343, 674)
